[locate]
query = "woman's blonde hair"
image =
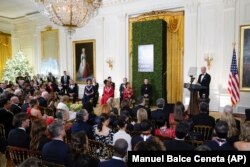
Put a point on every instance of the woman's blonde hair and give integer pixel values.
(141, 115)
(229, 118)
(245, 132)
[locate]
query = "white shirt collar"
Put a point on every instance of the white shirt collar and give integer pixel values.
(22, 128)
(117, 158)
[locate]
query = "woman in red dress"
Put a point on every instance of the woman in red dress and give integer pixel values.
(108, 91)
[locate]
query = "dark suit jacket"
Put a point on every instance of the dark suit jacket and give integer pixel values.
(51, 79)
(6, 118)
(15, 109)
(159, 114)
(204, 82)
(112, 163)
(56, 151)
(178, 145)
(215, 146)
(18, 138)
(24, 107)
(63, 81)
(1, 90)
(136, 139)
(134, 110)
(81, 125)
(203, 119)
(147, 89)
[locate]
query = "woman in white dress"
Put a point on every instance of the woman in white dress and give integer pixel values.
(83, 71)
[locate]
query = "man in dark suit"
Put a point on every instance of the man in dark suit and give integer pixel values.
(18, 136)
(159, 113)
(220, 143)
(6, 116)
(81, 124)
(15, 108)
(147, 91)
(179, 144)
(203, 118)
(120, 151)
(65, 81)
(43, 100)
(51, 78)
(204, 80)
(56, 151)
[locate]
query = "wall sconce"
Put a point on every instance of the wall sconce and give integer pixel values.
(208, 58)
(110, 61)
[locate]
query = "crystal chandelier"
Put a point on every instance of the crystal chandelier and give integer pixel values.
(70, 14)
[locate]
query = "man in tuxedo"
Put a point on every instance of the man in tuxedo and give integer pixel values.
(15, 108)
(6, 116)
(65, 81)
(120, 151)
(204, 80)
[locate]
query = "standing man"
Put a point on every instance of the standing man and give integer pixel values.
(147, 91)
(204, 80)
(65, 81)
(122, 87)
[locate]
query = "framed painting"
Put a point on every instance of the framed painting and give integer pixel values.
(245, 58)
(84, 60)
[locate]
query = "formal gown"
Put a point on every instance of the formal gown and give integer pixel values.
(108, 92)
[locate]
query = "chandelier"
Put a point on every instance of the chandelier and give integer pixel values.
(70, 14)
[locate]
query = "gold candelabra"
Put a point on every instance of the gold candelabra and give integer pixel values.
(208, 58)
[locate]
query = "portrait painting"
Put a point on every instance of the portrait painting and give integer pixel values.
(84, 60)
(245, 58)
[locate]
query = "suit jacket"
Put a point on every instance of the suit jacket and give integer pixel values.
(214, 145)
(56, 151)
(6, 118)
(15, 109)
(81, 125)
(63, 81)
(18, 138)
(203, 119)
(51, 79)
(178, 145)
(204, 82)
(42, 102)
(112, 163)
(159, 114)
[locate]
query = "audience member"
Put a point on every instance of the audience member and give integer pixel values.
(56, 151)
(159, 113)
(120, 151)
(219, 143)
(15, 108)
(18, 137)
(141, 115)
(141, 104)
(179, 115)
(178, 144)
(155, 144)
(122, 134)
(6, 116)
(244, 143)
(38, 134)
(79, 152)
(81, 124)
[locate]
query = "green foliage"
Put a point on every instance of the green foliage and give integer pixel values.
(19, 63)
(145, 33)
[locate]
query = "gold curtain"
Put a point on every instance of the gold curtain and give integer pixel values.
(175, 48)
(5, 50)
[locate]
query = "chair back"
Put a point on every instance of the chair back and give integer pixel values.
(205, 130)
(51, 164)
(18, 155)
(2, 131)
(195, 143)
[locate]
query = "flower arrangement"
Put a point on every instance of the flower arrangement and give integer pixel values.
(75, 106)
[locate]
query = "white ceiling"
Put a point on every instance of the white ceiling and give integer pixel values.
(12, 9)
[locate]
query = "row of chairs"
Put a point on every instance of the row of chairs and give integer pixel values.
(96, 149)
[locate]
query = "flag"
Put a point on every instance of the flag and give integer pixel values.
(233, 83)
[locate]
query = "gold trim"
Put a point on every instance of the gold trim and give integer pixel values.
(74, 57)
(241, 53)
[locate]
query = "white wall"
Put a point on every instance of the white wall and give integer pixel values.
(211, 26)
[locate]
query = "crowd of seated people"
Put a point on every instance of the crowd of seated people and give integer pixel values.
(125, 128)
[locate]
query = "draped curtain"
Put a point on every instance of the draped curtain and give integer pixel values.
(175, 48)
(5, 50)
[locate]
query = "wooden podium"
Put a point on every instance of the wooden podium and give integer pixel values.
(193, 108)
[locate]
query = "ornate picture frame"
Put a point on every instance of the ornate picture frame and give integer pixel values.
(84, 60)
(245, 58)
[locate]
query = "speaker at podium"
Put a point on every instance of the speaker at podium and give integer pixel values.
(193, 108)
